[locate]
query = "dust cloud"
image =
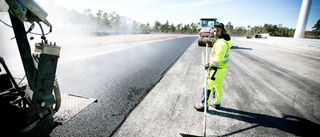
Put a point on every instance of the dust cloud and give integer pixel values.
(73, 30)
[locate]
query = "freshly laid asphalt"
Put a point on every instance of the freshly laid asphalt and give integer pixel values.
(271, 89)
(118, 76)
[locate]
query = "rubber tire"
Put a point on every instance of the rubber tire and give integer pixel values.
(201, 43)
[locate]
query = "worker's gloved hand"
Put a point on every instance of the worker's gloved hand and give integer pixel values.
(206, 66)
(214, 67)
(208, 43)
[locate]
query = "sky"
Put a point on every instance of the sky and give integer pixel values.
(238, 12)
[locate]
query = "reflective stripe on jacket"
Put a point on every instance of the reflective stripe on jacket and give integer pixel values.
(219, 56)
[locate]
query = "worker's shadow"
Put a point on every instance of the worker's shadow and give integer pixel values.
(288, 123)
(238, 47)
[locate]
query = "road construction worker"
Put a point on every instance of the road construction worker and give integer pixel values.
(218, 66)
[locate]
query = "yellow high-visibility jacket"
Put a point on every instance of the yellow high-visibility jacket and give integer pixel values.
(219, 55)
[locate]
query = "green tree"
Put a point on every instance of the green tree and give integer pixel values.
(186, 29)
(229, 27)
(145, 28)
(316, 29)
(105, 20)
(166, 27)
(240, 30)
(179, 28)
(134, 27)
(162, 28)
(316, 26)
(172, 28)
(156, 27)
(194, 27)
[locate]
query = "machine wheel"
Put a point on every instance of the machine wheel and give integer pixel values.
(201, 43)
(57, 95)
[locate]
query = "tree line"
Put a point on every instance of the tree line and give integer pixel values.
(104, 22)
(273, 30)
(113, 22)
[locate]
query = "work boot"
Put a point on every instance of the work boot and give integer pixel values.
(215, 105)
(200, 107)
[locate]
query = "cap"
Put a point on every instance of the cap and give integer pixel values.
(220, 25)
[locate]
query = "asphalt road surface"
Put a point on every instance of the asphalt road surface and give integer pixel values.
(271, 89)
(118, 77)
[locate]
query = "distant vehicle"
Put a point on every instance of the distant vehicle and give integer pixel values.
(262, 36)
(206, 27)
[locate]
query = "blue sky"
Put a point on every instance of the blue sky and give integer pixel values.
(238, 12)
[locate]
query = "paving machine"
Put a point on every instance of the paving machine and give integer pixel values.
(206, 27)
(27, 109)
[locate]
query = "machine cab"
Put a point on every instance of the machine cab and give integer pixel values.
(207, 22)
(205, 27)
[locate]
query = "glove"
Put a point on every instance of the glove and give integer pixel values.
(206, 66)
(208, 43)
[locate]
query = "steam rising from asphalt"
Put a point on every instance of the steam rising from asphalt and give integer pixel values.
(71, 31)
(71, 28)
(68, 32)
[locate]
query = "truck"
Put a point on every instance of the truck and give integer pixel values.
(205, 27)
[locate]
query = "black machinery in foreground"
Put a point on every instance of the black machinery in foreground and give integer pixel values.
(27, 110)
